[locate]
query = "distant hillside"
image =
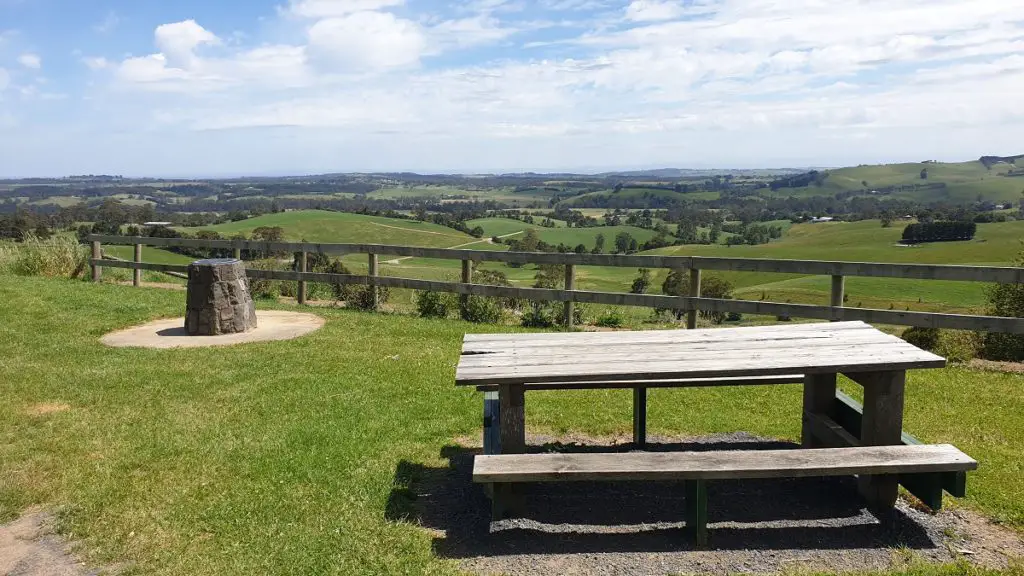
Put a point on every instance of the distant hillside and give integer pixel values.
(342, 227)
(960, 182)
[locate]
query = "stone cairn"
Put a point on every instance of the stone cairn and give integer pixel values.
(218, 299)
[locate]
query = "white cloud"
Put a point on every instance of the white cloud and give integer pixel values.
(178, 41)
(333, 8)
(109, 23)
(29, 60)
(653, 10)
(96, 62)
(366, 41)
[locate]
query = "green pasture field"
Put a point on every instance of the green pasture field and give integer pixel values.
(965, 181)
(291, 457)
(343, 227)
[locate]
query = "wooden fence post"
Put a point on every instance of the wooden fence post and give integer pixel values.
(691, 315)
(237, 253)
(97, 254)
(137, 273)
(374, 292)
(570, 284)
(467, 278)
(838, 294)
(303, 258)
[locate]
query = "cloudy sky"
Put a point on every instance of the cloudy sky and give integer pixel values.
(234, 87)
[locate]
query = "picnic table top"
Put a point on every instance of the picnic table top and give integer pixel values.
(676, 354)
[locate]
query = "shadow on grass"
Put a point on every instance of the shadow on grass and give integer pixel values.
(643, 516)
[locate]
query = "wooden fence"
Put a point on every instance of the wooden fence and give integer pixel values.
(691, 304)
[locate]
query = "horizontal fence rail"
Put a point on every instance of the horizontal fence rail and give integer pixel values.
(690, 304)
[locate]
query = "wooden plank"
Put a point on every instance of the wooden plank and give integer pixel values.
(691, 314)
(882, 425)
(97, 254)
(640, 416)
(137, 273)
(1007, 275)
(374, 270)
(718, 465)
(838, 293)
(826, 432)
(570, 284)
(512, 418)
(696, 493)
(839, 359)
(773, 332)
(848, 414)
(689, 383)
(180, 268)
(819, 398)
(513, 354)
(303, 267)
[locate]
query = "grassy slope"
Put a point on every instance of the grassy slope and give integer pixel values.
(232, 461)
(569, 236)
(639, 193)
(867, 241)
(342, 227)
(964, 180)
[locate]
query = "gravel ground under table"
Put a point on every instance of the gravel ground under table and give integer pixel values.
(631, 528)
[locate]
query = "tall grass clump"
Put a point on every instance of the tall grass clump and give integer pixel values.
(59, 256)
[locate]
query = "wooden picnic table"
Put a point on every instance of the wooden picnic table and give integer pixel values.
(878, 361)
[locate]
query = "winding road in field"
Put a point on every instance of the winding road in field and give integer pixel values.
(484, 241)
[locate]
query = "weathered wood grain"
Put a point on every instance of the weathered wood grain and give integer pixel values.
(512, 418)
(640, 416)
(819, 398)
(882, 425)
(717, 465)
(689, 383)
(904, 318)
(816, 267)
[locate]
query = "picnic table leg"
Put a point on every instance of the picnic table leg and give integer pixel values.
(640, 417)
(505, 502)
(819, 398)
(882, 426)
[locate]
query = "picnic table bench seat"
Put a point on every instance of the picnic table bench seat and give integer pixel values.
(908, 461)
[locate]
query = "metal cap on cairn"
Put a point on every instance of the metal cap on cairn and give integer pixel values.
(218, 299)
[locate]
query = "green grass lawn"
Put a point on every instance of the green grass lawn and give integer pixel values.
(281, 457)
(343, 227)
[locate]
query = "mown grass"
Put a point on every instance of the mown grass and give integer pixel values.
(281, 457)
(343, 227)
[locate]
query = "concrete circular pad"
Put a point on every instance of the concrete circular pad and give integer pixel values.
(272, 325)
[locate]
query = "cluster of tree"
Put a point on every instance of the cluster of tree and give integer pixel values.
(23, 224)
(799, 180)
(754, 234)
(939, 231)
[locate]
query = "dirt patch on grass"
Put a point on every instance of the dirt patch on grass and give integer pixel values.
(627, 528)
(28, 547)
(993, 366)
(46, 408)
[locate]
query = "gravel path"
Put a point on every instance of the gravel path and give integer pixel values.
(636, 527)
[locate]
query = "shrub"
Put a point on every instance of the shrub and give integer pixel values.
(610, 319)
(923, 338)
(59, 256)
(734, 317)
(958, 345)
(434, 304)
(579, 314)
(361, 297)
(262, 288)
(1006, 300)
(540, 315)
(480, 309)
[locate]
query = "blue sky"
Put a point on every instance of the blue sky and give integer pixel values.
(190, 88)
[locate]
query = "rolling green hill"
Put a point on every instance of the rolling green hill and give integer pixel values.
(963, 182)
(342, 227)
